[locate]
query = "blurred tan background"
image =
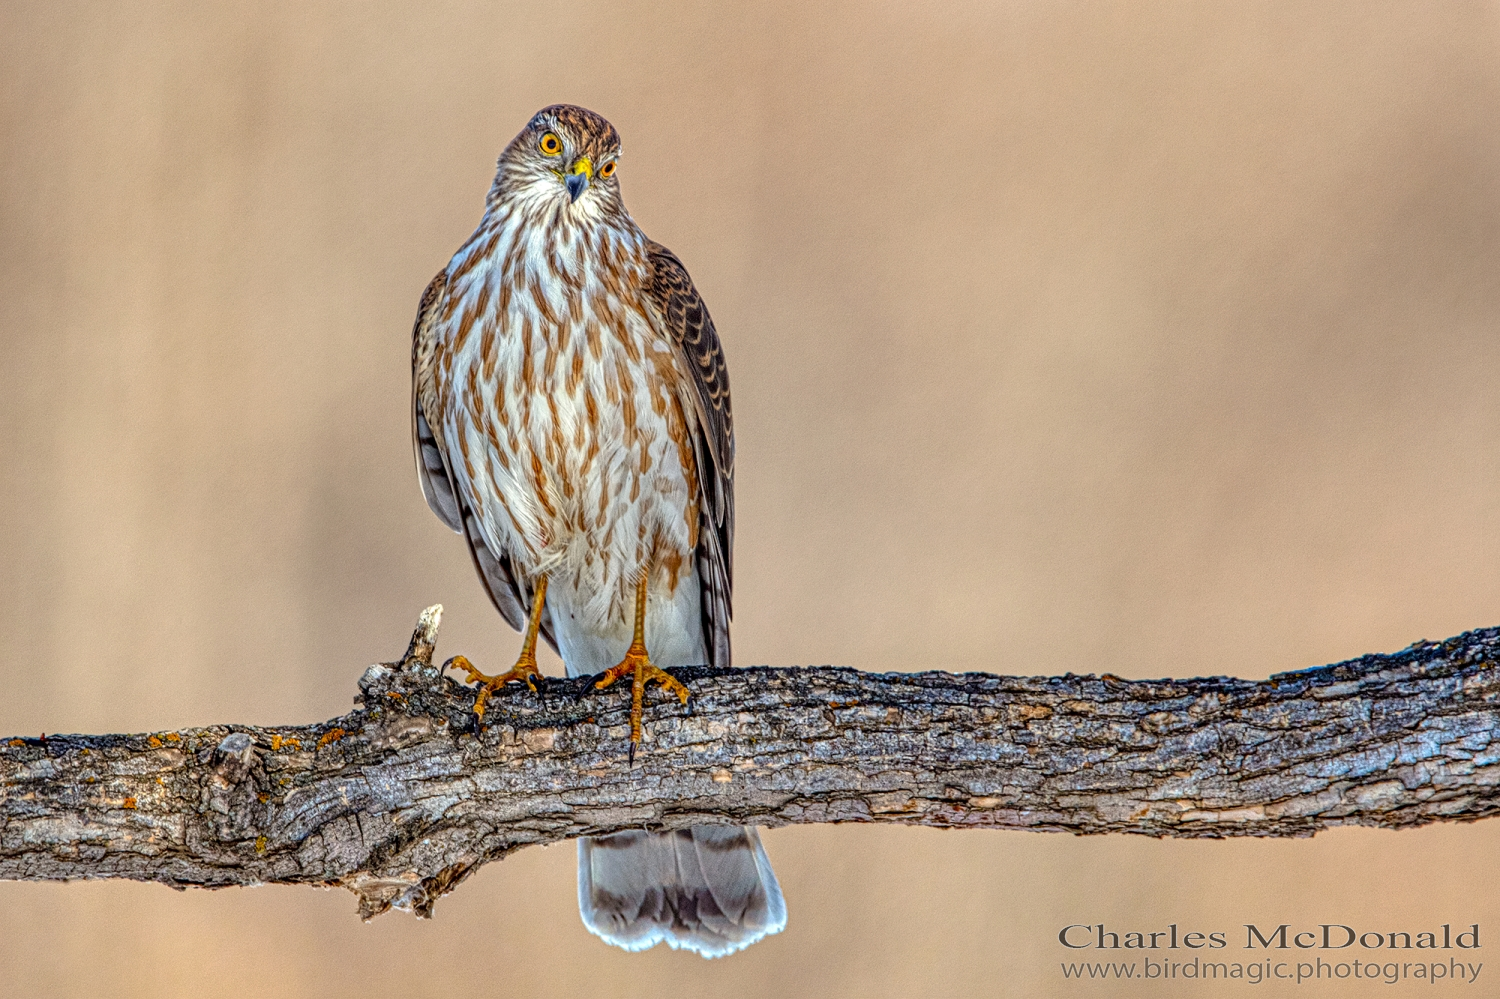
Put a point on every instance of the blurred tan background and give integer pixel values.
(1152, 339)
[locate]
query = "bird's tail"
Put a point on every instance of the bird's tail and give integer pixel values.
(708, 889)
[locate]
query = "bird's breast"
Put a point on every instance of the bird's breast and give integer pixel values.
(573, 445)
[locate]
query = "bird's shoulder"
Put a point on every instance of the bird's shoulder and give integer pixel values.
(424, 328)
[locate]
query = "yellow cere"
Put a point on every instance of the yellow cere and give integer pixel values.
(550, 145)
(584, 166)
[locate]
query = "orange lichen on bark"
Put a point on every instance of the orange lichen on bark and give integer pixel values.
(331, 736)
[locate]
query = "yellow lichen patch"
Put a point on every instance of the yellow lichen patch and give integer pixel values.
(128, 803)
(16, 742)
(395, 696)
(262, 798)
(1020, 714)
(277, 742)
(260, 844)
(331, 736)
(173, 737)
(153, 742)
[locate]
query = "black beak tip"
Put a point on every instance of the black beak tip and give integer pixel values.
(576, 183)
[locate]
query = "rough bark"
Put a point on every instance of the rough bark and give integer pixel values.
(402, 798)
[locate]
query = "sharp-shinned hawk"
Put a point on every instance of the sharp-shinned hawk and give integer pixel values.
(571, 420)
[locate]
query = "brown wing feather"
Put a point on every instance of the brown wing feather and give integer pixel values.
(499, 577)
(432, 470)
(692, 330)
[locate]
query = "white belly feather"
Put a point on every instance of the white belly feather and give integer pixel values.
(573, 432)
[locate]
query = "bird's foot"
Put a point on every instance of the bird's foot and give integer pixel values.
(637, 665)
(523, 672)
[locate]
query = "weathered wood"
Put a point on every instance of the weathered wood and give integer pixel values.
(400, 799)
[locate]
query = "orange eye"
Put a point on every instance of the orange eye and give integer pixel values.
(608, 169)
(550, 145)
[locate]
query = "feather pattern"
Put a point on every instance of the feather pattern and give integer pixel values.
(432, 470)
(685, 318)
(571, 418)
(708, 889)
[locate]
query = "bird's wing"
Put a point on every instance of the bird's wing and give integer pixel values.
(687, 322)
(432, 469)
(438, 485)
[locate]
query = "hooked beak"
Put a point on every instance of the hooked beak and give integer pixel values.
(577, 183)
(578, 179)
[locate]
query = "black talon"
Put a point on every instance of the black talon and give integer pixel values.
(588, 688)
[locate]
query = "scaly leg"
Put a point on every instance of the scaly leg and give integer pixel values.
(525, 667)
(638, 665)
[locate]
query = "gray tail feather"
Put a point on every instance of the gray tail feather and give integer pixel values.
(708, 889)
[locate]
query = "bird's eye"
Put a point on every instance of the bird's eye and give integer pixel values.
(550, 145)
(608, 169)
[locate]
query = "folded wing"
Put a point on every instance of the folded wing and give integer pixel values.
(691, 329)
(500, 580)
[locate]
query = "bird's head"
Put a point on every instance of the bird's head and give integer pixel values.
(565, 154)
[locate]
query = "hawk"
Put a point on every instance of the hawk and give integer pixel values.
(570, 417)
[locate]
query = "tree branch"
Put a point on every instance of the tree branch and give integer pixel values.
(401, 799)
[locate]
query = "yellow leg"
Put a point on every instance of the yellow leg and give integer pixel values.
(524, 669)
(638, 665)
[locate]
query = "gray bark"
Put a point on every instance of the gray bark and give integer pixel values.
(402, 798)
